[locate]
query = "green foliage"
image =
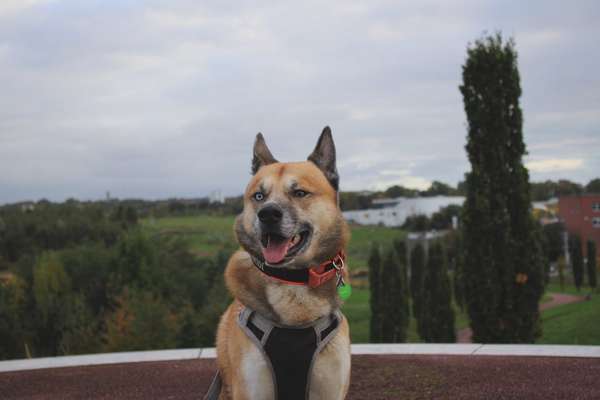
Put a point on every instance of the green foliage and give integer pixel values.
(576, 260)
(375, 299)
(503, 260)
(591, 263)
(12, 328)
(574, 323)
(394, 312)
(141, 321)
(417, 270)
(436, 319)
(593, 186)
(553, 234)
(541, 191)
(438, 188)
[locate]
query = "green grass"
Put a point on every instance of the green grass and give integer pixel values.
(206, 234)
(576, 323)
(362, 239)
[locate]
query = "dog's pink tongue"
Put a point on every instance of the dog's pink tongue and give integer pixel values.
(275, 251)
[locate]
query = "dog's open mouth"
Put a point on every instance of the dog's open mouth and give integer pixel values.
(275, 248)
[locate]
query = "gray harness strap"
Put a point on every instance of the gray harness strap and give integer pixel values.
(285, 347)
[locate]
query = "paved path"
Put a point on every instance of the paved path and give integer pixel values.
(374, 377)
(558, 299)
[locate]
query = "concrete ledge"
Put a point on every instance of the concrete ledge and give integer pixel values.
(357, 349)
(99, 359)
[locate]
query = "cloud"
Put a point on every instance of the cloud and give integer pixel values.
(555, 165)
(155, 99)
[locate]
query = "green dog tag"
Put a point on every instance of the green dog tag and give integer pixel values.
(344, 291)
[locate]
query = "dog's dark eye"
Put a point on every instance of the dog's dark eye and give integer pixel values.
(258, 196)
(300, 193)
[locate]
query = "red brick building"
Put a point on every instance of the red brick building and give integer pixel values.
(581, 216)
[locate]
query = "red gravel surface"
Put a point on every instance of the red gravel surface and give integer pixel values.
(373, 378)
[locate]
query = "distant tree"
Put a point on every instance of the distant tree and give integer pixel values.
(554, 240)
(503, 266)
(591, 264)
(141, 321)
(593, 186)
(438, 188)
(417, 223)
(436, 321)
(394, 304)
(375, 293)
(576, 260)
(565, 187)
(561, 272)
(461, 188)
(417, 270)
(443, 218)
(400, 191)
(13, 334)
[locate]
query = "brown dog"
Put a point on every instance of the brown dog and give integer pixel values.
(283, 337)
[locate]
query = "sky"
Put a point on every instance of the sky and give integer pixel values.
(159, 99)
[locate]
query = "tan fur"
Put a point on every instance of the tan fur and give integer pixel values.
(287, 304)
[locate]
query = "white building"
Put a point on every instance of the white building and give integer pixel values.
(393, 212)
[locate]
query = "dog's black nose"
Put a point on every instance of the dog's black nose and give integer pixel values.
(270, 215)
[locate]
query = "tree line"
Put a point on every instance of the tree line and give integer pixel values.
(402, 283)
(85, 279)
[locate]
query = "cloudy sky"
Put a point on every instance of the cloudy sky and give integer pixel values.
(159, 99)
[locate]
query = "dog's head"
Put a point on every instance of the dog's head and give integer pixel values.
(291, 216)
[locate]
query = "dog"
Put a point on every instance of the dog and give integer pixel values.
(284, 337)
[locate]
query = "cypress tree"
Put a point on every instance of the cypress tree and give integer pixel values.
(591, 263)
(503, 267)
(394, 295)
(436, 321)
(576, 260)
(400, 247)
(375, 289)
(417, 268)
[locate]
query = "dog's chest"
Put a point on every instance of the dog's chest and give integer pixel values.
(296, 305)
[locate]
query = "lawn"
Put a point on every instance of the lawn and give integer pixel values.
(206, 234)
(577, 323)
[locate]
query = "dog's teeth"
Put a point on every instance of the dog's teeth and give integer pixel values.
(295, 239)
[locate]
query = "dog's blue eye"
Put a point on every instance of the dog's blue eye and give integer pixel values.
(300, 193)
(258, 196)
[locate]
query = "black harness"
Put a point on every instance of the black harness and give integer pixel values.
(290, 351)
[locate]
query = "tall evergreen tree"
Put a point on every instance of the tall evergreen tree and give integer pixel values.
(436, 320)
(417, 268)
(401, 253)
(576, 260)
(503, 267)
(375, 289)
(394, 302)
(591, 263)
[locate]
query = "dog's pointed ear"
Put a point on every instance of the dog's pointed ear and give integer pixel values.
(324, 157)
(261, 155)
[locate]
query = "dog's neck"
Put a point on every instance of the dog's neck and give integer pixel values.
(280, 302)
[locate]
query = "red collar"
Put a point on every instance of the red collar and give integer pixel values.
(311, 277)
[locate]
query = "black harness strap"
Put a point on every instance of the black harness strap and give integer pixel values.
(290, 351)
